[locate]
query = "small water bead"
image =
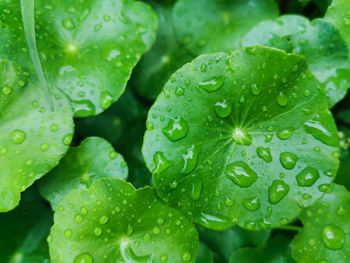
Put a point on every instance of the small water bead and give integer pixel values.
(106, 100)
(6, 90)
(186, 256)
(277, 191)
(196, 188)
(288, 160)
(103, 220)
(98, 231)
(17, 136)
(212, 84)
(333, 237)
(285, 134)
(44, 147)
(282, 100)
(264, 153)
(67, 139)
(161, 163)
(223, 109)
(78, 218)
(241, 137)
(176, 129)
(240, 173)
(68, 233)
(112, 155)
(68, 24)
(325, 188)
(252, 204)
(307, 177)
(164, 258)
(179, 91)
(229, 202)
(190, 159)
(53, 127)
(255, 90)
(83, 258)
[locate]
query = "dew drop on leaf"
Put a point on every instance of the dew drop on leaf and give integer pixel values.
(68, 24)
(255, 90)
(285, 134)
(307, 177)
(196, 188)
(240, 173)
(161, 163)
(288, 160)
(98, 231)
(319, 131)
(251, 204)
(282, 100)
(103, 220)
(17, 136)
(212, 84)
(176, 129)
(277, 191)
(83, 258)
(333, 237)
(222, 109)
(106, 100)
(264, 153)
(190, 159)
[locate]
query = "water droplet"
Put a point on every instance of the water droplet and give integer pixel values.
(98, 231)
(321, 131)
(78, 218)
(196, 188)
(68, 24)
(212, 84)
(68, 233)
(106, 100)
(67, 139)
(103, 220)
(251, 204)
(190, 159)
(255, 90)
(264, 153)
(83, 258)
(285, 134)
(186, 256)
(241, 137)
(17, 136)
(164, 258)
(307, 177)
(223, 109)
(229, 202)
(288, 160)
(240, 173)
(277, 191)
(176, 129)
(282, 100)
(161, 163)
(44, 147)
(333, 237)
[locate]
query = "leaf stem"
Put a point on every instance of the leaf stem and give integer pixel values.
(28, 18)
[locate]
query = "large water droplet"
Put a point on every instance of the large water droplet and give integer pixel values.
(285, 134)
(190, 159)
(223, 109)
(264, 153)
(176, 129)
(17, 136)
(307, 177)
(255, 90)
(83, 258)
(320, 131)
(277, 191)
(212, 84)
(240, 173)
(161, 163)
(241, 137)
(333, 237)
(288, 160)
(251, 204)
(282, 99)
(196, 188)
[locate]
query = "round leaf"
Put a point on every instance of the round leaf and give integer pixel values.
(165, 57)
(117, 223)
(208, 26)
(94, 158)
(249, 141)
(319, 41)
(326, 233)
(88, 49)
(32, 137)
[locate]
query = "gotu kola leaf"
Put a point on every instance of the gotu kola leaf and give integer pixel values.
(94, 158)
(250, 141)
(320, 42)
(88, 48)
(135, 227)
(326, 233)
(32, 137)
(207, 26)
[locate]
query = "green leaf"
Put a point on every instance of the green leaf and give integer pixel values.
(208, 26)
(205, 255)
(94, 158)
(32, 138)
(250, 140)
(88, 49)
(24, 231)
(134, 227)
(343, 177)
(339, 14)
(326, 232)
(166, 56)
(276, 250)
(126, 117)
(225, 242)
(319, 41)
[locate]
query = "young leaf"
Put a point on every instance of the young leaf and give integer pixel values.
(162, 60)
(250, 141)
(94, 158)
(24, 232)
(277, 250)
(320, 42)
(87, 49)
(32, 138)
(326, 232)
(135, 227)
(205, 255)
(208, 26)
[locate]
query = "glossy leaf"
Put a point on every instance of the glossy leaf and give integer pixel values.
(162, 60)
(32, 137)
(249, 141)
(208, 26)
(277, 250)
(205, 255)
(326, 232)
(88, 49)
(134, 227)
(94, 158)
(319, 41)
(24, 232)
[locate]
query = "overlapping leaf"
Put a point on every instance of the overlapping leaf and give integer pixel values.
(94, 158)
(249, 141)
(134, 227)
